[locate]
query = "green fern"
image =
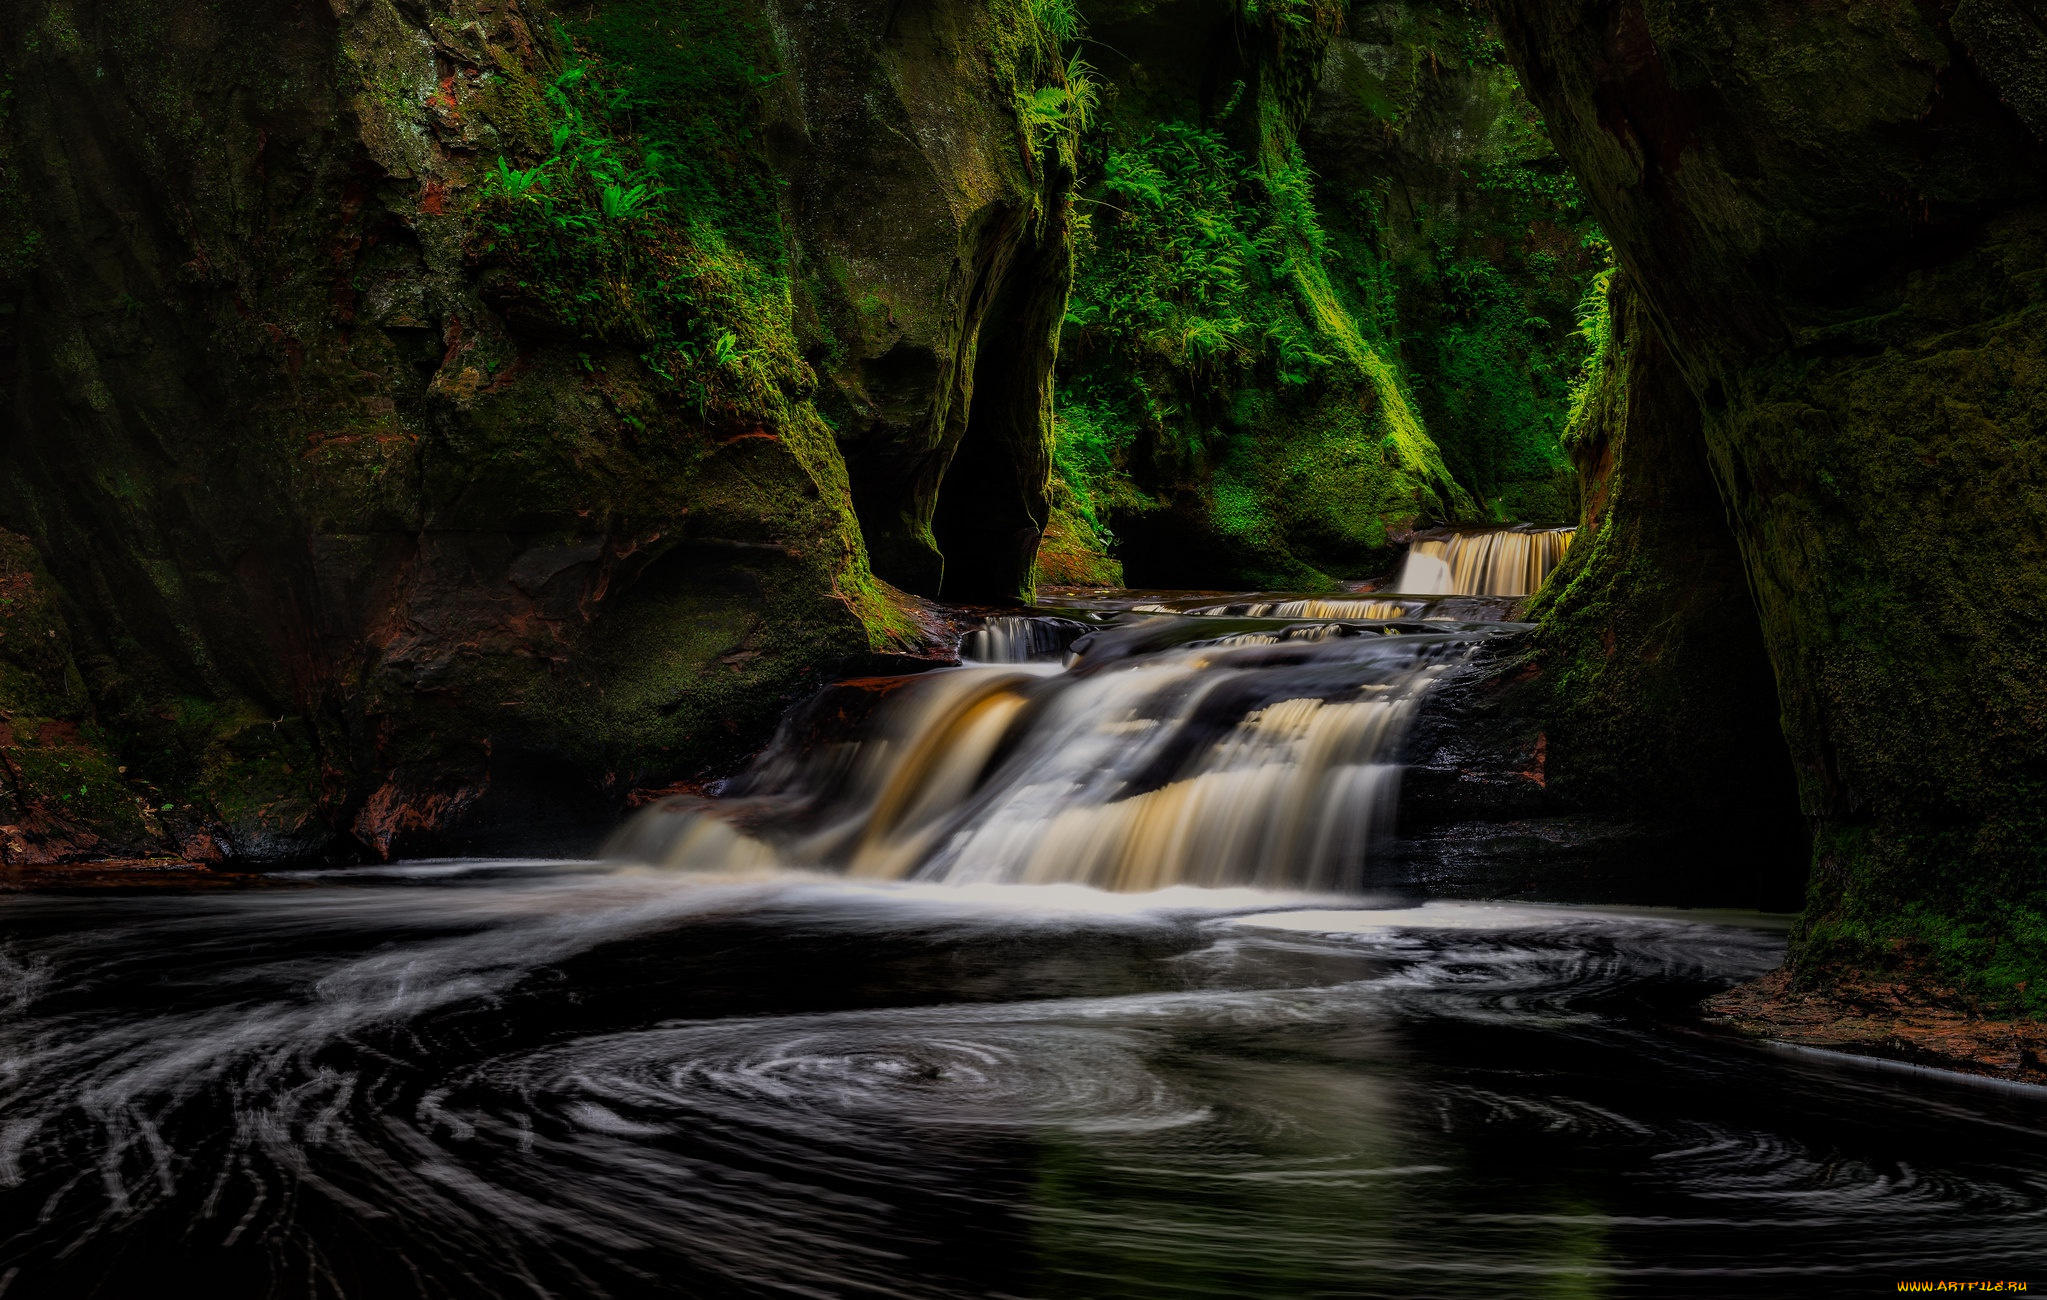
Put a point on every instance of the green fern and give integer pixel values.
(1083, 92)
(515, 185)
(619, 202)
(1043, 108)
(1595, 330)
(1059, 19)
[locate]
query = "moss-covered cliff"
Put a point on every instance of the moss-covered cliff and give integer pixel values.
(1627, 747)
(429, 416)
(1836, 214)
(1223, 408)
(1651, 680)
(1466, 236)
(1327, 265)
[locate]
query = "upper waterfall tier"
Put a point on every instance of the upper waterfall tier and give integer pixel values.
(1499, 562)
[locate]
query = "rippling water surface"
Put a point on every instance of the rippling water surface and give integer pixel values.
(474, 1079)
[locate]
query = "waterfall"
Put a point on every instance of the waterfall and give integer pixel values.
(1499, 562)
(1264, 756)
(1143, 742)
(1301, 607)
(1021, 639)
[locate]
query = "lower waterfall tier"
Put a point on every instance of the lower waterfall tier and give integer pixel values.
(1153, 749)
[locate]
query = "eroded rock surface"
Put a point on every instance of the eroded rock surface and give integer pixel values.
(423, 413)
(1836, 214)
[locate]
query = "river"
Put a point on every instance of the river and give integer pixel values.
(1063, 974)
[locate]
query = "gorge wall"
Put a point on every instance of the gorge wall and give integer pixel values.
(440, 415)
(1836, 216)
(1654, 685)
(434, 418)
(1328, 273)
(1629, 749)
(442, 419)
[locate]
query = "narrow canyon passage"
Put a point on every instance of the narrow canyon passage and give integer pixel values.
(1028, 649)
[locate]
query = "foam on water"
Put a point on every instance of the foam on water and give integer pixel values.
(1264, 759)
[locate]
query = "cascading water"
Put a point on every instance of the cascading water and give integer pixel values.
(1247, 741)
(1021, 639)
(1165, 755)
(1500, 562)
(952, 1072)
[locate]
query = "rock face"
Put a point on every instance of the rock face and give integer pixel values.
(1443, 194)
(432, 417)
(1228, 406)
(423, 414)
(1835, 214)
(1658, 695)
(931, 227)
(1628, 746)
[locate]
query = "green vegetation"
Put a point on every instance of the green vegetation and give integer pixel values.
(1191, 276)
(652, 221)
(59, 780)
(1207, 346)
(1469, 238)
(20, 241)
(1596, 394)
(1246, 368)
(1265, 370)
(1899, 575)
(1900, 903)
(1035, 57)
(641, 225)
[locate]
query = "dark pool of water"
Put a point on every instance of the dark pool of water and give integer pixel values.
(520, 1080)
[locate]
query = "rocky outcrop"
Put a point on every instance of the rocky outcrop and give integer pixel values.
(931, 226)
(1229, 407)
(1658, 692)
(1835, 214)
(1628, 747)
(427, 416)
(1443, 195)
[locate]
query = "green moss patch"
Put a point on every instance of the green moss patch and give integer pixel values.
(1217, 375)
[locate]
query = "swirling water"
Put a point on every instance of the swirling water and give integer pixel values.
(877, 1025)
(499, 1079)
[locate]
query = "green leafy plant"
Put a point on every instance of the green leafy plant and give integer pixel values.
(1060, 19)
(1055, 89)
(1595, 330)
(1043, 109)
(514, 184)
(621, 201)
(1083, 92)
(621, 236)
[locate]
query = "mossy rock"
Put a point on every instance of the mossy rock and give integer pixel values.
(1870, 372)
(1649, 677)
(446, 447)
(63, 794)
